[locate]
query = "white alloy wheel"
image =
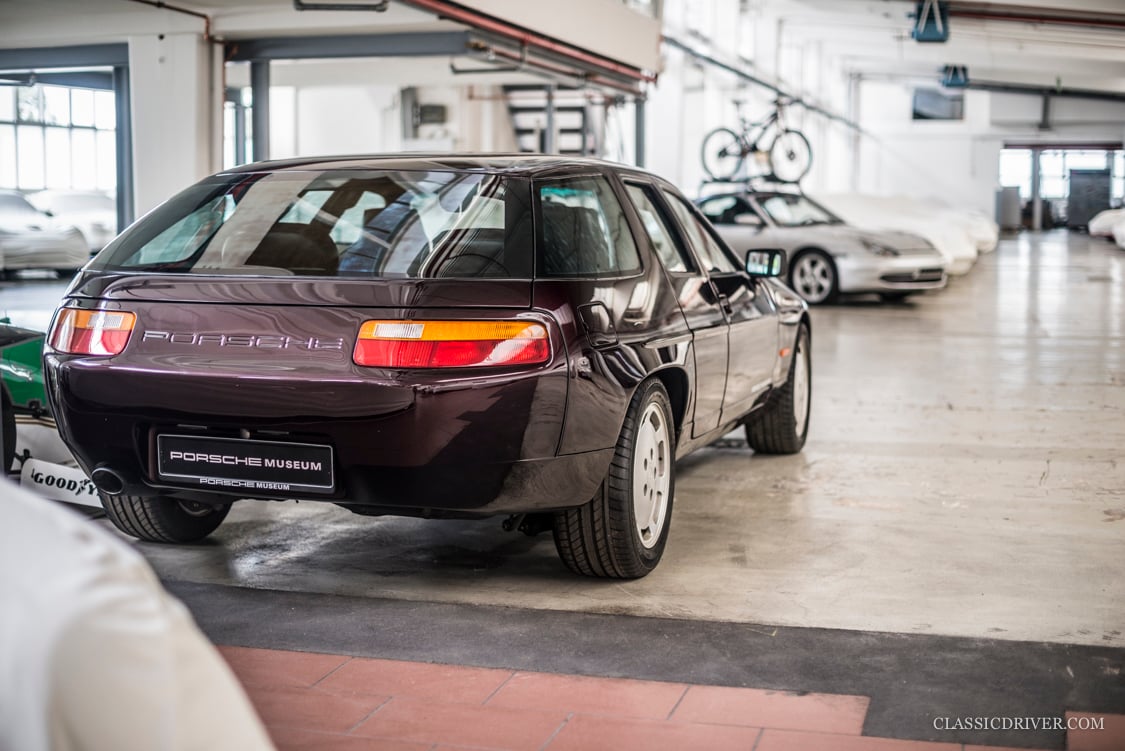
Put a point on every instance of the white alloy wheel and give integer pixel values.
(652, 475)
(801, 386)
(813, 277)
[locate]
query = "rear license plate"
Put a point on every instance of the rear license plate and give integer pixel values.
(230, 463)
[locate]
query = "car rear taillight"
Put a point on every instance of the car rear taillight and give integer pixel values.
(451, 344)
(91, 332)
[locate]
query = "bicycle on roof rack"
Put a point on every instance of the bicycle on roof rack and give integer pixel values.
(779, 152)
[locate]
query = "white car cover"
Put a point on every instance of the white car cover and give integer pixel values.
(951, 238)
(1104, 221)
(94, 654)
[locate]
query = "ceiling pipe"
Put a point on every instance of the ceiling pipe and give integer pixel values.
(1049, 17)
(186, 11)
(471, 18)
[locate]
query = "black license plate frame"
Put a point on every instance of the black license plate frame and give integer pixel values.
(228, 464)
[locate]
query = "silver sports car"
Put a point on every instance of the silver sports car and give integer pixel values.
(826, 256)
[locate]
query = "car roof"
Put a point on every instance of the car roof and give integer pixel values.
(517, 163)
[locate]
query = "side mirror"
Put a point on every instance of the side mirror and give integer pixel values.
(765, 263)
(748, 220)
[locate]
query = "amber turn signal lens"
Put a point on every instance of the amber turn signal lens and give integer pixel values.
(451, 344)
(91, 332)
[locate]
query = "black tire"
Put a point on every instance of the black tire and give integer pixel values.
(813, 288)
(722, 153)
(603, 538)
(163, 519)
(790, 156)
(894, 297)
(7, 431)
(775, 430)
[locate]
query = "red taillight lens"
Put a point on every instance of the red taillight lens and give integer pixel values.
(91, 332)
(451, 344)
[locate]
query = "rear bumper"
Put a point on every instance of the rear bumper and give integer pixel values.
(474, 446)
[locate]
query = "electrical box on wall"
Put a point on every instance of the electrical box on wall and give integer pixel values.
(431, 114)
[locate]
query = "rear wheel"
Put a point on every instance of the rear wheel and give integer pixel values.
(790, 156)
(622, 531)
(784, 425)
(163, 519)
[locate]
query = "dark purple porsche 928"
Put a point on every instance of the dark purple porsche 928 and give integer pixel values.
(444, 336)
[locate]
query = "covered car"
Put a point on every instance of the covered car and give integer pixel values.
(94, 213)
(29, 239)
(953, 239)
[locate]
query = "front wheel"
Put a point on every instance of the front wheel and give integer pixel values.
(812, 275)
(622, 531)
(784, 424)
(723, 152)
(790, 156)
(163, 519)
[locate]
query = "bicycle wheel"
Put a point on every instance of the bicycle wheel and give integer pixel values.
(790, 156)
(722, 153)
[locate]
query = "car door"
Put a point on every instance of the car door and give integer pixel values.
(698, 301)
(753, 335)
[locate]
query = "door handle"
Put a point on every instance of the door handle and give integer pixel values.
(724, 303)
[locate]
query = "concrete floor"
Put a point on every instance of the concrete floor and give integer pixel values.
(964, 476)
(948, 544)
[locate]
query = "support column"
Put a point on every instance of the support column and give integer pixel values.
(549, 133)
(1036, 199)
(173, 108)
(639, 131)
(260, 114)
(239, 130)
(123, 138)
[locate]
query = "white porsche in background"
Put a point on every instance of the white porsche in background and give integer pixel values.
(826, 256)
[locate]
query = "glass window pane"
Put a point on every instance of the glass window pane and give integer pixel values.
(7, 156)
(84, 162)
(663, 240)
(58, 158)
(29, 140)
(30, 104)
(105, 114)
(1053, 187)
(708, 249)
(82, 107)
(585, 232)
(7, 104)
(107, 161)
(56, 105)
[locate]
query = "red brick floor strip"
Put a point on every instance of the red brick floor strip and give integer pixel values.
(320, 702)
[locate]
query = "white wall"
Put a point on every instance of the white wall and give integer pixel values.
(173, 99)
(958, 161)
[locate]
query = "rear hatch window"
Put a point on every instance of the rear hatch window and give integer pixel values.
(365, 224)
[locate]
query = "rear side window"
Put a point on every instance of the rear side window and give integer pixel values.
(378, 224)
(584, 231)
(663, 240)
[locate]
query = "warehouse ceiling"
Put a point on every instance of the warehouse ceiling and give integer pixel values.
(873, 37)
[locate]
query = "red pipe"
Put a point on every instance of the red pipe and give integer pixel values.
(523, 36)
(1094, 21)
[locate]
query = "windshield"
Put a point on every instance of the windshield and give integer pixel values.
(336, 223)
(796, 211)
